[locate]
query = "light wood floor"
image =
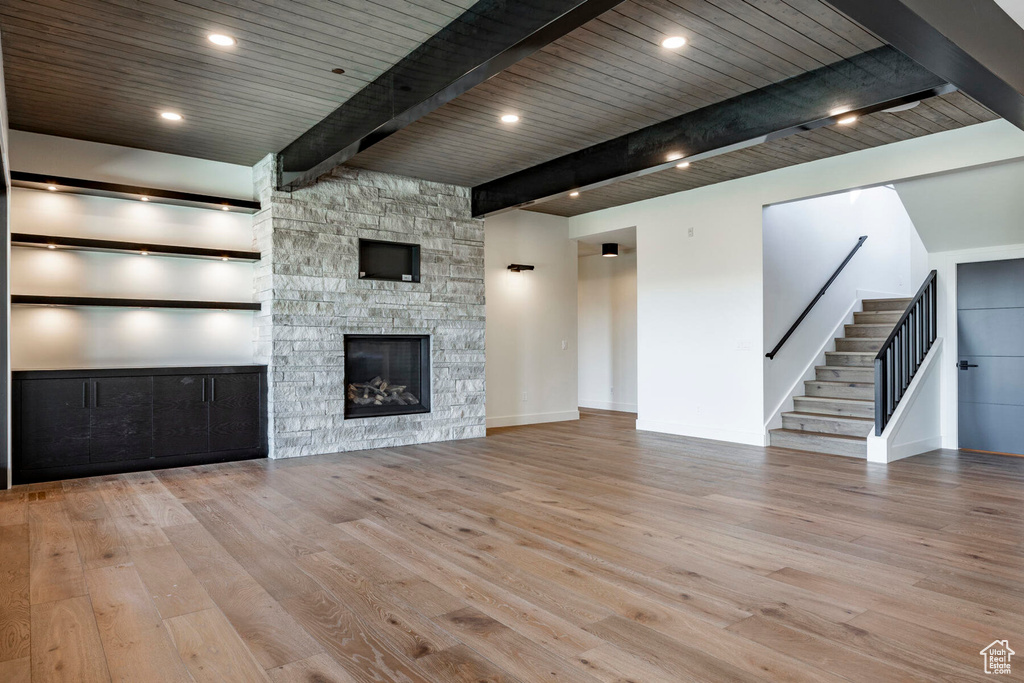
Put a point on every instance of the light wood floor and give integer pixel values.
(573, 551)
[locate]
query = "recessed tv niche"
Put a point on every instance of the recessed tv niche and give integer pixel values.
(394, 261)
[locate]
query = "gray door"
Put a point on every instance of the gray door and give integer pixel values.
(990, 320)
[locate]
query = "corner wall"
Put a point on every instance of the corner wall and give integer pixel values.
(531, 320)
(308, 282)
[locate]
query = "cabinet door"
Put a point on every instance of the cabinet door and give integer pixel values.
(181, 418)
(234, 411)
(54, 425)
(122, 419)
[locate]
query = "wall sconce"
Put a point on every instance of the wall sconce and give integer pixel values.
(519, 267)
(610, 249)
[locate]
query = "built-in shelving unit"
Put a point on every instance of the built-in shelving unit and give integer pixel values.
(39, 181)
(85, 244)
(37, 300)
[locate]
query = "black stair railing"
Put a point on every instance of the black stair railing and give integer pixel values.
(821, 292)
(903, 352)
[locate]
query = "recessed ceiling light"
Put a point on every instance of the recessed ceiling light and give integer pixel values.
(223, 258)
(51, 246)
(685, 164)
(221, 39)
(846, 120)
(51, 188)
(145, 199)
(170, 116)
(225, 208)
(338, 71)
(673, 42)
(144, 253)
(509, 118)
(675, 156)
(574, 193)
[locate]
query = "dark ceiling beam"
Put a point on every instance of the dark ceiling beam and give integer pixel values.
(973, 44)
(486, 39)
(879, 79)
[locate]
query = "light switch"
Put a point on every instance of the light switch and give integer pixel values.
(565, 345)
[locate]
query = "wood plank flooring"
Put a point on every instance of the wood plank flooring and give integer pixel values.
(577, 551)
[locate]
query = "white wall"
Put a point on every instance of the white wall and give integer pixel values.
(607, 332)
(700, 300)
(53, 337)
(530, 316)
(804, 242)
(34, 153)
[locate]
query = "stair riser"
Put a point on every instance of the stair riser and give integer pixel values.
(879, 305)
(834, 408)
(846, 374)
(858, 345)
(839, 390)
(842, 360)
(820, 444)
(877, 331)
(889, 317)
(825, 425)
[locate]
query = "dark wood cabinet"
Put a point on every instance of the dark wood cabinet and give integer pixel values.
(54, 423)
(121, 419)
(234, 414)
(181, 416)
(77, 423)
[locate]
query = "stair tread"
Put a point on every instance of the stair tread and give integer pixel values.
(908, 299)
(844, 400)
(819, 435)
(830, 417)
(839, 381)
(842, 367)
(855, 353)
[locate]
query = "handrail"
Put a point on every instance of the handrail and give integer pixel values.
(904, 350)
(821, 293)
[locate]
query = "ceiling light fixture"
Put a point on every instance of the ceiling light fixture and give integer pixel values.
(509, 118)
(223, 258)
(225, 208)
(145, 199)
(672, 42)
(51, 246)
(685, 164)
(338, 71)
(221, 39)
(574, 193)
(143, 253)
(846, 120)
(610, 249)
(170, 116)
(51, 188)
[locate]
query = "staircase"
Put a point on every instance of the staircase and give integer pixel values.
(838, 411)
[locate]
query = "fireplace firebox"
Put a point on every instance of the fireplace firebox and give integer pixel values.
(386, 374)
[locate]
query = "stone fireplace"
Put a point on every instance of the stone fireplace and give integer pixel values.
(318, 312)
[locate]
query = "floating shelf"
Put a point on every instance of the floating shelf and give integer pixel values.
(39, 181)
(84, 244)
(30, 299)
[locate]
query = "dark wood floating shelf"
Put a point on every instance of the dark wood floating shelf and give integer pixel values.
(39, 181)
(30, 299)
(85, 244)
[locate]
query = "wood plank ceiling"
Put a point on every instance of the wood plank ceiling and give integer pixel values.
(103, 69)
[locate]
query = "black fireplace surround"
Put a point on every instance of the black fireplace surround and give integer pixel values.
(386, 374)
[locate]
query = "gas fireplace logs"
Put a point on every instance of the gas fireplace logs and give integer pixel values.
(380, 392)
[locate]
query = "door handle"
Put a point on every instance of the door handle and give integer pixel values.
(963, 365)
(213, 389)
(203, 397)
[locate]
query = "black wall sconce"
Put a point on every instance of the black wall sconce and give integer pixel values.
(519, 267)
(610, 249)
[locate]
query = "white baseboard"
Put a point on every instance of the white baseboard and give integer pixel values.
(906, 450)
(755, 438)
(536, 418)
(608, 405)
